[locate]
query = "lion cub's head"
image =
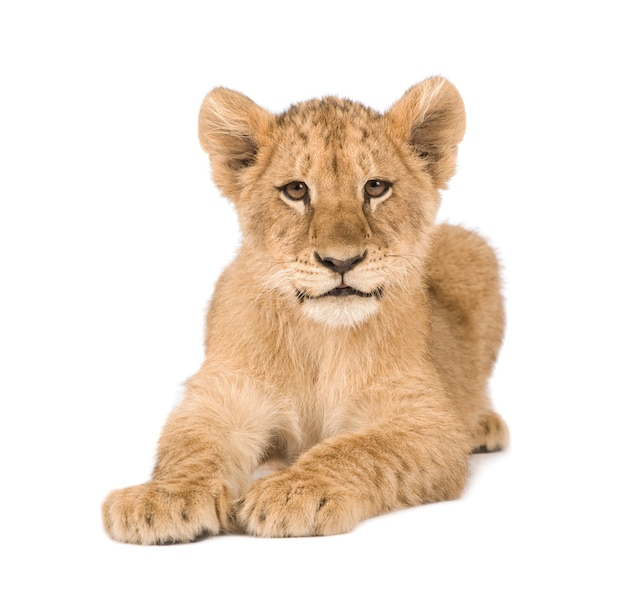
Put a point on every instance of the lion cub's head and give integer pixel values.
(335, 200)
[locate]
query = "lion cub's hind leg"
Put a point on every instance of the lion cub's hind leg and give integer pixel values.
(467, 329)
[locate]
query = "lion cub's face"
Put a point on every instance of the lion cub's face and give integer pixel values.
(335, 200)
(341, 214)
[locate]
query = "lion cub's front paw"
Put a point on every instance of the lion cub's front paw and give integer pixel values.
(293, 504)
(158, 513)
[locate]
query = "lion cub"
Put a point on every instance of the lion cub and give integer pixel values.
(351, 338)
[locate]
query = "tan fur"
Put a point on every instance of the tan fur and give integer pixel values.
(373, 400)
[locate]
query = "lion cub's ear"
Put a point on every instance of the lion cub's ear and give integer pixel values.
(231, 129)
(431, 118)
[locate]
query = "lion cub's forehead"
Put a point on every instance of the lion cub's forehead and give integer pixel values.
(330, 116)
(328, 131)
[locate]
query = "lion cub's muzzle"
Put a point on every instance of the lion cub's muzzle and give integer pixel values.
(341, 267)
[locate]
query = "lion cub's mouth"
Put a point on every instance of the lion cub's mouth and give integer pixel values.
(342, 290)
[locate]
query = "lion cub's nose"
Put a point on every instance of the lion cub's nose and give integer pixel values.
(340, 266)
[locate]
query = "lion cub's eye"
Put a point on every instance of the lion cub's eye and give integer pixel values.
(296, 190)
(376, 188)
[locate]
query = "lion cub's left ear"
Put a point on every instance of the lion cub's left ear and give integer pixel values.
(231, 128)
(430, 117)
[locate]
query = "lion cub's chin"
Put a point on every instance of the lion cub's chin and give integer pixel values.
(341, 311)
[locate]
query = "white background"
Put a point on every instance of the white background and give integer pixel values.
(112, 235)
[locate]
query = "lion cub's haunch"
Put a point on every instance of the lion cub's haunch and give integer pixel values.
(351, 338)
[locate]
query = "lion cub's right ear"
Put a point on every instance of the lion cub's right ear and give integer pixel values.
(231, 129)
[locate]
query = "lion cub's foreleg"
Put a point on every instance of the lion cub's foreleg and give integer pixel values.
(415, 458)
(207, 452)
(187, 496)
(211, 445)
